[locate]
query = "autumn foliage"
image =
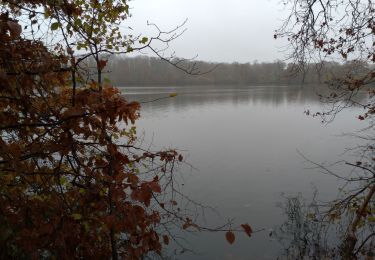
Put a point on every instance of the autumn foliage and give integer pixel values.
(74, 182)
(70, 184)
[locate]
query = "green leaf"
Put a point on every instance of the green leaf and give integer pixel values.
(107, 80)
(143, 40)
(63, 181)
(55, 26)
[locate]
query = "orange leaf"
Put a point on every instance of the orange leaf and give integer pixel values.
(230, 237)
(155, 187)
(248, 230)
(74, 111)
(102, 64)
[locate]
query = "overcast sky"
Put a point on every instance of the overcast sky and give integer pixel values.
(217, 30)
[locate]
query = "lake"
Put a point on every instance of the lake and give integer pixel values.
(244, 144)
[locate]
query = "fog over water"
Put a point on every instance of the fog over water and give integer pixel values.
(217, 30)
(243, 143)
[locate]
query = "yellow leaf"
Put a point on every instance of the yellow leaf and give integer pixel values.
(77, 216)
(86, 226)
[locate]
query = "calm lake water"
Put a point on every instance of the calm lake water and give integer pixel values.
(243, 143)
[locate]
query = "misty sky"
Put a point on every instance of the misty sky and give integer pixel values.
(217, 30)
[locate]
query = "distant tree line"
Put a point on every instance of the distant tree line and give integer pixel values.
(143, 70)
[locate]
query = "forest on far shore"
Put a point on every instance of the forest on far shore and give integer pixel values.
(143, 70)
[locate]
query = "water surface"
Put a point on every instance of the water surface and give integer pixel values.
(244, 144)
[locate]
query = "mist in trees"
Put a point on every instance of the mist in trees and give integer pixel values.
(144, 70)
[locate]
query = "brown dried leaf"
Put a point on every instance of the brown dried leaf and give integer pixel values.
(14, 28)
(166, 239)
(230, 237)
(248, 230)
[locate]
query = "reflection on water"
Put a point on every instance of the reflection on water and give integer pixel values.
(303, 234)
(309, 233)
(243, 145)
(201, 95)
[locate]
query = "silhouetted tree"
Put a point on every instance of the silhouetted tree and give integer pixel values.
(326, 32)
